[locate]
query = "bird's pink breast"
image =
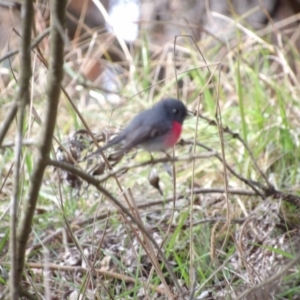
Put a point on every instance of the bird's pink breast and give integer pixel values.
(174, 135)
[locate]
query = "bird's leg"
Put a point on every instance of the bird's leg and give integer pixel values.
(166, 165)
(151, 156)
(167, 154)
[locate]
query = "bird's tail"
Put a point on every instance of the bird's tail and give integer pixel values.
(114, 141)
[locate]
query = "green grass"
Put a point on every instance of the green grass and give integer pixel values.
(258, 100)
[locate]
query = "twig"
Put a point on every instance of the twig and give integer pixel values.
(35, 43)
(91, 180)
(192, 270)
(55, 76)
(11, 144)
(149, 249)
(13, 109)
(230, 169)
(93, 137)
(222, 190)
(7, 121)
(218, 116)
(154, 162)
(54, 267)
(235, 135)
(103, 216)
(97, 254)
(21, 99)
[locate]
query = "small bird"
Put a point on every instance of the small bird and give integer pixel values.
(155, 129)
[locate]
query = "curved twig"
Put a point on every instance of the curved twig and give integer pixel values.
(91, 180)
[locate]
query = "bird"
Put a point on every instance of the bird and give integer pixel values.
(155, 129)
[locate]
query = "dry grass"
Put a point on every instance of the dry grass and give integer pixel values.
(220, 236)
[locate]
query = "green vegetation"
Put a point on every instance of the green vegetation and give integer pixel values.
(85, 245)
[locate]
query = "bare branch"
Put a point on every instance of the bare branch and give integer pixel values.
(93, 181)
(105, 273)
(238, 137)
(250, 183)
(127, 167)
(55, 76)
(13, 109)
(25, 143)
(7, 121)
(35, 43)
(22, 98)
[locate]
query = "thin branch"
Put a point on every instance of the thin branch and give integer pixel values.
(35, 43)
(149, 249)
(55, 76)
(192, 270)
(163, 201)
(91, 180)
(250, 183)
(25, 143)
(131, 166)
(218, 117)
(238, 137)
(13, 109)
(21, 99)
(241, 192)
(7, 121)
(109, 274)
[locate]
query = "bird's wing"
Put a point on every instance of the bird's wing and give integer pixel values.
(112, 142)
(136, 136)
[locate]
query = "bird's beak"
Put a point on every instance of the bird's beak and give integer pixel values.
(190, 114)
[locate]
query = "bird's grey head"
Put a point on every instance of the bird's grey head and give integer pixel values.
(175, 109)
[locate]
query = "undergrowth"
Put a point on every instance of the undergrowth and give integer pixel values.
(82, 245)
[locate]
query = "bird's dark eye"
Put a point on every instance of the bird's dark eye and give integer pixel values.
(175, 111)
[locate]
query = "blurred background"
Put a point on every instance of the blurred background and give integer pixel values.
(237, 61)
(104, 32)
